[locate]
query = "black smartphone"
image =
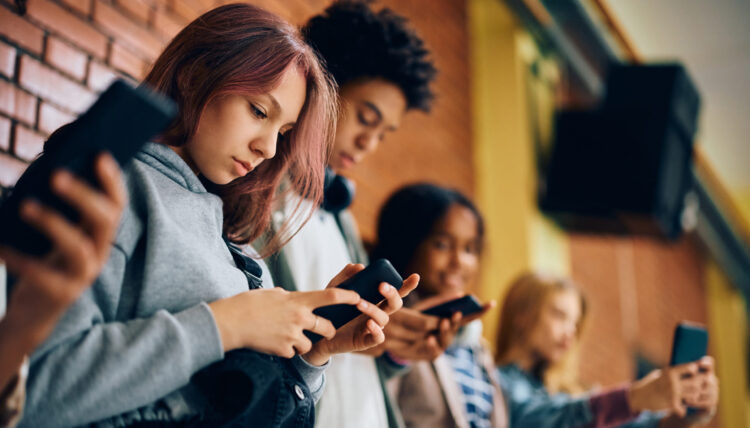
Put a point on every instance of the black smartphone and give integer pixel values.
(690, 343)
(467, 305)
(120, 122)
(365, 283)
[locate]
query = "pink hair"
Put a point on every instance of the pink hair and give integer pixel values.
(243, 49)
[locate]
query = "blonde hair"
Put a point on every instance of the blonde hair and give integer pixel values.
(520, 314)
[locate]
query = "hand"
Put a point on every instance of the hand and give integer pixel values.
(365, 331)
(412, 335)
(449, 326)
(272, 320)
(708, 397)
(667, 389)
(46, 287)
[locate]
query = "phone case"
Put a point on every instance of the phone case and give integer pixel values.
(467, 305)
(365, 283)
(120, 121)
(690, 343)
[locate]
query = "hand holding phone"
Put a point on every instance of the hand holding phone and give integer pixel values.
(119, 122)
(690, 344)
(365, 283)
(467, 305)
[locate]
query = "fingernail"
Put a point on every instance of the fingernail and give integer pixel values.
(363, 304)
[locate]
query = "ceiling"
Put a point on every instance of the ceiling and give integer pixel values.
(712, 38)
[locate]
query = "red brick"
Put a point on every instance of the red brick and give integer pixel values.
(100, 76)
(126, 31)
(28, 143)
(4, 134)
(50, 118)
(21, 31)
(168, 24)
(10, 169)
(17, 103)
(184, 10)
(125, 61)
(7, 60)
(139, 9)
(69, 26)
(82, 6)
(66, 58)
(50, 85)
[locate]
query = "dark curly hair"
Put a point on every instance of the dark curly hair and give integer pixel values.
(356, 42)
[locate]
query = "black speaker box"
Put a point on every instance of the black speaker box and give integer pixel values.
(625, 168)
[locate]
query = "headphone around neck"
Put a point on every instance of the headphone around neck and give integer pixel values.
(338, 193)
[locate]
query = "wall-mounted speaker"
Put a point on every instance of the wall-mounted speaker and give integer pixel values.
(625, 167)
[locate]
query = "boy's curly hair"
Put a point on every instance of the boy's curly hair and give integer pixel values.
(356, 42)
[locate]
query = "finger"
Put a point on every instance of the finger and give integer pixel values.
(17, 262)
(430, 349)
(437, 300)
(486, 307)
(409, 284)
(43, 278)
(685, 370)
(398, 345)
(393, 300)
(287, 351)
(678, 407)
(395, 330)
(447, 331)
(416, 350)
(347, 272)
(75, 248)
(706, 364)
(329, 296)
(99, 215)
(302, 345)
(373, 312)
(322, 327)
(110, 179)
(414, 320)
(376, 335)
(689, 391)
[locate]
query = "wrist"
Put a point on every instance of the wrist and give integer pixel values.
(226, 333)
(22, 333)
(634, 395)
(317, 356)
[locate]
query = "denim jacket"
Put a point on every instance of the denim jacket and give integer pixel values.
(531, 405)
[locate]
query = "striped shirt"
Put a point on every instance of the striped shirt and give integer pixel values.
(474, 381)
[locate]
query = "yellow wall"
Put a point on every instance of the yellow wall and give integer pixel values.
(742, 198)
(728, 332)
(505, 171)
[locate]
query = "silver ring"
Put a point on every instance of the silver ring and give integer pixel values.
(316, 322)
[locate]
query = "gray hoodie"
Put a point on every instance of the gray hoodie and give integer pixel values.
(125, 351)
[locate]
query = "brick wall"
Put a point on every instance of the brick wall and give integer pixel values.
(638, 289)
(61, 53)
